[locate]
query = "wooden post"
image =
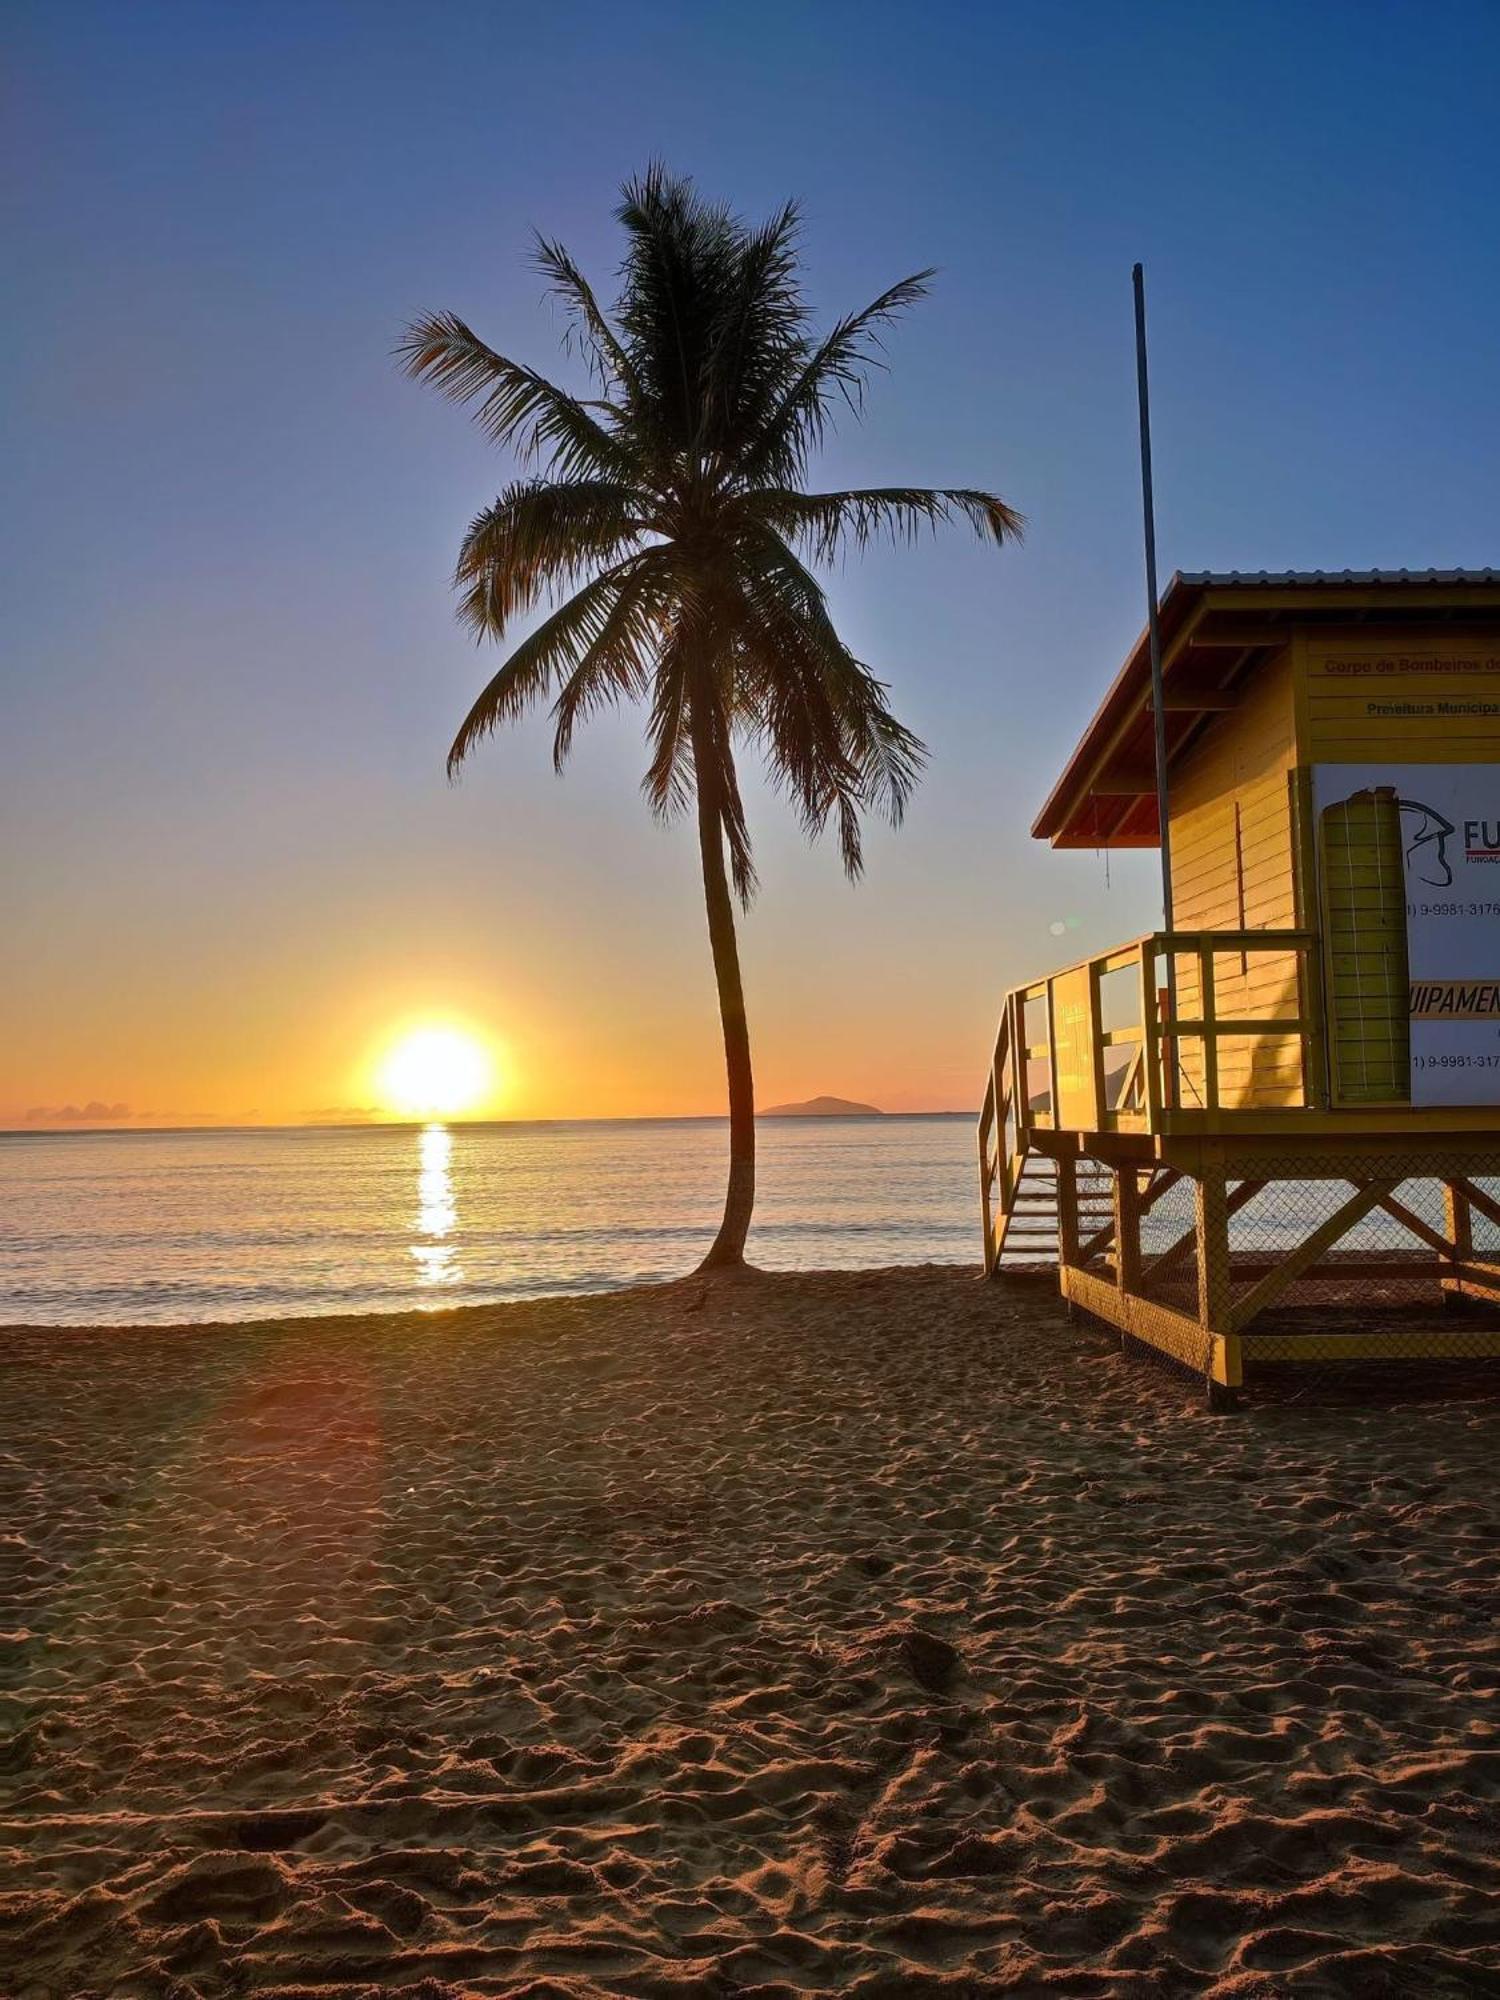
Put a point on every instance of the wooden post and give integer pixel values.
(1020, 1072)
(984, 1180)
(1459, 1217)
(1067, 1211)
(1096, 1048)
(1315, 1093)
(1221, 1344)
(1056, 1121)
(1127, 1206)
(1150, 1036)
(1208, 1009)
(1005, 1037)
(1307, 907)
(1127, 1200)
(1211, 1221)
(1164, 1003)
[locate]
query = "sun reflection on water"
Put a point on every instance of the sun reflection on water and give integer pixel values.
(437, 1211)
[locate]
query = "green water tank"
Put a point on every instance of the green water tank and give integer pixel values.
(1364, 931)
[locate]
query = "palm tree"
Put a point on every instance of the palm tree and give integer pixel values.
(674, 498)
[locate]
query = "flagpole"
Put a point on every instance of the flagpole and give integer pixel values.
(1158, 707)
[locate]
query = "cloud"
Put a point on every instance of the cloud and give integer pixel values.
(336, 1112)
(95, 1112)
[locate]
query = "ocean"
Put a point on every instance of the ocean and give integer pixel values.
(104, 1228)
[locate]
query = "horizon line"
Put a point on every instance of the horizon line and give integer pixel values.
(39, 1131)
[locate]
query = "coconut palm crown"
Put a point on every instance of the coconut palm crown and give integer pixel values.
(666, 518)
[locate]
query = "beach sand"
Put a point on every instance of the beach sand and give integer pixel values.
(875, 1633)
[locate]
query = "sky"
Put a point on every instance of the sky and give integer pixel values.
(233, 867)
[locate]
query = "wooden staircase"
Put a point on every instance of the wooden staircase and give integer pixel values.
(1027, 1238)
(1018, 1186)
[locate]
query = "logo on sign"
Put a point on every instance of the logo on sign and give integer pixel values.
(1427, 835)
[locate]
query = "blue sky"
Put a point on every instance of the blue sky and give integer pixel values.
(232, 670)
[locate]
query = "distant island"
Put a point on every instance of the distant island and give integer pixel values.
(825, 1107)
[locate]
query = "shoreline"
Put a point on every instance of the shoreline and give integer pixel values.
(423, 1316)
(788, 1633)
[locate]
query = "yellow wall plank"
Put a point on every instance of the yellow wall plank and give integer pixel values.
(1231, 869)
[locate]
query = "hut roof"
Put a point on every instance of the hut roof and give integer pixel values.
(1218, 627)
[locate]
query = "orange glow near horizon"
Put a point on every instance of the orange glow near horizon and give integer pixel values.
(435, 1070)
(569, 1021)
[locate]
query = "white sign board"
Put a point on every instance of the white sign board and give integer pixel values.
(1450, 841)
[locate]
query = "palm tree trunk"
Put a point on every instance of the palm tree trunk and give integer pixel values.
(739, 1200)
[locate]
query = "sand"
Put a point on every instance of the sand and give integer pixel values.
(873, 1633)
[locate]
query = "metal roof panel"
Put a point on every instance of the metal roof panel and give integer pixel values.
(1281, 579)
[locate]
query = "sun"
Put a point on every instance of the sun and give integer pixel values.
(434, 1072)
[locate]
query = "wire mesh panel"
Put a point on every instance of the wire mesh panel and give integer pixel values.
(1095, 1183)
(1325, 1266)
(1409, 1273)
(1169, 1242)
(1485, 1225)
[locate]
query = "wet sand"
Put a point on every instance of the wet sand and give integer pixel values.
(873, 1633)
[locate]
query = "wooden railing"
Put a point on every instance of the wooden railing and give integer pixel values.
(1190, 1051)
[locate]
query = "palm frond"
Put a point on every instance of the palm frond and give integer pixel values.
(759, 333)
(607, 356)
(554, 648)
(616, 667)
(517, 406)
(716, 777)
(678, 263)
(541, 535)
(830, 737)
(796, 673)
(668, 783)
(824, 523)
(837, 370)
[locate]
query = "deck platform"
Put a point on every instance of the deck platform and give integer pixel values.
(1109, 1148)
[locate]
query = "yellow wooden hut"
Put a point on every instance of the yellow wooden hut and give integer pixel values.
(1290, 1099)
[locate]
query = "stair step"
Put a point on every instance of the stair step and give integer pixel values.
(1030, 1232)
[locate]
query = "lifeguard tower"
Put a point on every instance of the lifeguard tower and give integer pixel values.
(1271, 1134)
